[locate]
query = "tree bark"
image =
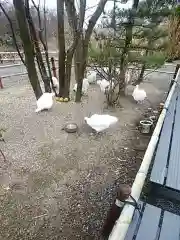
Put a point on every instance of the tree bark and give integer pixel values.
(28, 46)
(68, 66)
(174, 38)
(13, 33)
(75, 66)
(82, 48)
(128, 41)
(141, 75)
(79, 68)
(143, 68)
(38, 54)
(44, 43)
(61, 46)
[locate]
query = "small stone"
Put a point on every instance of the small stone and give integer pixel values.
(7, 188)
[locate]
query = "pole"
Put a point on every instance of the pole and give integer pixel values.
(53, 67)
(1, 85)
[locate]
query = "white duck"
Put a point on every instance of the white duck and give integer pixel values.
(139, 95)
(127, 77)
(85, 86)
(100, 122)
(105, 85)
(55, 82)
(91, 77)
(45, 102)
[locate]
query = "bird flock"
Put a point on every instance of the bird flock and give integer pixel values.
(97, 122)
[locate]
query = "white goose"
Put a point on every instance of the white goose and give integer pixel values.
(45, 102)
(85, 86)
(100, 122)
(55, 82)
(139, 95)
(91, 77)
(105, 85)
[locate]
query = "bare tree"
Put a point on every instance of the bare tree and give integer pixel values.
(43, 39)
(76, 21)
(61, 46)
(28, 46)
(65, 56)
(6, 37)
(38, 54)
(13, 32)
(128, 40)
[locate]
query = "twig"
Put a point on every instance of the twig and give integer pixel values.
(40, 216)
(4, 158)
(150, 72)
(36, 6)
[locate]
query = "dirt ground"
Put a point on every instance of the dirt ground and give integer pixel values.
(56, 185)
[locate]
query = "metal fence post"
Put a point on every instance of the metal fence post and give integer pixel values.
(1, 84)
(53, 67)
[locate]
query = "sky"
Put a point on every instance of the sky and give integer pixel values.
(91, 5)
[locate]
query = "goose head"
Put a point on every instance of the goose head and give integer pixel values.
(53, 94)
(85, 119)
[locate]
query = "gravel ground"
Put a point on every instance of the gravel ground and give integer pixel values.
(56, 185)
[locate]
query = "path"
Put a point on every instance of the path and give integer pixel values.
(159, 79)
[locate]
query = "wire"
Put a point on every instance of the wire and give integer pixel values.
(135, 204)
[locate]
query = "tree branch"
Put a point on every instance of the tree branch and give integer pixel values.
(44, 43)
(39, 18)
(36, 6)
(82, 11)
(94, 18)
(61, 46)
(13, 33)
(37, 49)
(72, 15)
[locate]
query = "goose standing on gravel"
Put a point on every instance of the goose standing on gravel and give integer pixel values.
(100, 122)
(55, 82)
(91, 77)
(139, 95)
(45, 102)
(85, 86)
(105, 85)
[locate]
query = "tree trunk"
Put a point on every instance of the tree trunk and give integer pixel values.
(128, 40)
(76, 22)
(44, 42)
(38, 54)
(68, 73)
(28, 47)
(13, 33)
(75, 66)
(81, 62)
(143, 68)
(174, 38)
(61, 46)
(68, 66)
(78, 72)
(141, 75)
